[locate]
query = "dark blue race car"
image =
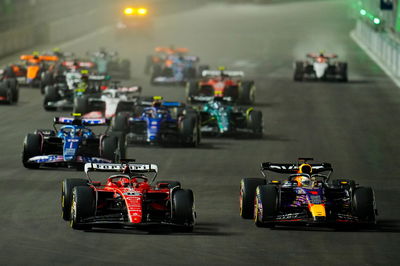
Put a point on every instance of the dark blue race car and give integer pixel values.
(161, 123)
(74, 144)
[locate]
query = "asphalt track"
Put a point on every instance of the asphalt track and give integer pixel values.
(355, 126)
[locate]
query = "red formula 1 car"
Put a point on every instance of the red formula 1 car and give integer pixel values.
(221, 83)
(128, 198)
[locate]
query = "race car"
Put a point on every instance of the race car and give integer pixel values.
(37, 64)
(320, 67)
(9, 89)
(162, 123)
(134, 18)
(220, 117)
(112, 100)
(221, 83)
(72, 145)
(57, 73)
(172, 66)
(109, 63)
(129, 198)
(74, 91)
(305, 196)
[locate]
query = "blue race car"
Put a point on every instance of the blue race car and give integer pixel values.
(162, 123)
(220, 117)
(74, 144)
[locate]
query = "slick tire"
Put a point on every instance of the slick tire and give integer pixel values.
(247, 194)
(81, 105)
(120, 123)
(298, 71)
(363, 204)
(247, 92)
(66, 195)
(50, 95)
(266, 205)
(110, 149)
(189, 130)
(32, 144)
(183, 209)
(192, 89)
(255, 123)
(83, 206)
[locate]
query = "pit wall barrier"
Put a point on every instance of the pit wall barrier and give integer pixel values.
(383, 48)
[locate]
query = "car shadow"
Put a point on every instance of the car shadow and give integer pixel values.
(200, 229)
(382, 226)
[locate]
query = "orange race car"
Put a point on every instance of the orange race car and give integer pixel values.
(36, 64)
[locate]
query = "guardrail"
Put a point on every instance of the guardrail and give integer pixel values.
(381, 47)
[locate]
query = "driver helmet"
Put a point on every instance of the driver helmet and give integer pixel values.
(303, 181)
(157, 101)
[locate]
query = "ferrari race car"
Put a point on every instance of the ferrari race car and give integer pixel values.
(9, 89)
(161, 122)
(219, 116)
(172, 66)
(112, 100)
(108, 63)
(129, 198)
(320, 67)
(221, 83)
(306, 196)
(74, 144)
(73, 91)
(134, 18)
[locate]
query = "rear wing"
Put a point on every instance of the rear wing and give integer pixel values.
(286, 168)
(210, 98)
(113, 167)
(40, 57)
(217, 73)
(191, 58)
(170, 50)
(132, 89)
(80, 64)
(315, 55)
(82, 121)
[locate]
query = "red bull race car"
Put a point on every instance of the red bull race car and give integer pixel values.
(130, 197)
(305, 196)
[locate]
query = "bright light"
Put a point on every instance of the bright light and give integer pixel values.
(142, 11)
(363, 12)
(377, 21)
(129, 11)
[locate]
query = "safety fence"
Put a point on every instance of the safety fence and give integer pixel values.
(382, 46)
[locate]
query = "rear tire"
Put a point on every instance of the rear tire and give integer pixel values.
(343, 72)
(247, 91)
(32, 144)
(51, 95)
(255, 123)
(192, 89)
(81, 105)
(298, 71)
(364, 204)
(110, 149)
(66, 195)
(247, 194)
(83, 206)
(190, 131)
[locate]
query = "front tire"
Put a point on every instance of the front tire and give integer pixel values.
(364, 204)
(82, 207)
(32, 144)
(66, 195)
(255, 123)
(246, 197)
(183, 209)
